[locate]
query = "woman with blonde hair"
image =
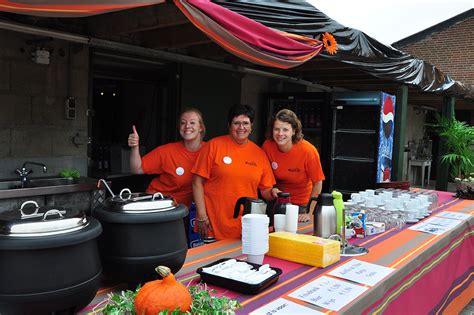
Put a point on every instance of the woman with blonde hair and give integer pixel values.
(173, 161)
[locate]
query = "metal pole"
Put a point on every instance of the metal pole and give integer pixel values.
(149, 52)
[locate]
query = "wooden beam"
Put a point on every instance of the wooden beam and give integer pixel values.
(136, 20)
(366, 85)
(210, 50)
(182, 36)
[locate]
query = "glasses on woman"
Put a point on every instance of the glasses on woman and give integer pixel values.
(244, 124)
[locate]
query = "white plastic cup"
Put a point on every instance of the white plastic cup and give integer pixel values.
(279, 222)
(356, 197)
(364, 194)
(370, 192)
(369, 202)
(255, 259)
(349, 233)
(292, 212)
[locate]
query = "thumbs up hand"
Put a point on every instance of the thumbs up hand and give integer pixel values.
(133, 138)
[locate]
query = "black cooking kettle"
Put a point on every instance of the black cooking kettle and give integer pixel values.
(250, 205)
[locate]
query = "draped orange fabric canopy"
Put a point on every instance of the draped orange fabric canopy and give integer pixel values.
(239, 35)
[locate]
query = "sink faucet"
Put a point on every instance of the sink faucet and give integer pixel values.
(24, 172)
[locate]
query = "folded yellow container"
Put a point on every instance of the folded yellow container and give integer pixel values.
(304, 249)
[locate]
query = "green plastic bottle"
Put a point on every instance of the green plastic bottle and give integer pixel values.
(339, 206)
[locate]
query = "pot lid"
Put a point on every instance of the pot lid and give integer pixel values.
(33, 220)
(129, 202)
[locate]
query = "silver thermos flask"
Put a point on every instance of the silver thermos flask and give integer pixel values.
(324, 216)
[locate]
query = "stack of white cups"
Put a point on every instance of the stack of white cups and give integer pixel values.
(255, 237)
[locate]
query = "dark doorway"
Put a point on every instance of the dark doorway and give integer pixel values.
(127, 91)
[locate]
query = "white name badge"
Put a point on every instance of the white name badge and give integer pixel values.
(179, 171)
(227, 160)
(274, 165)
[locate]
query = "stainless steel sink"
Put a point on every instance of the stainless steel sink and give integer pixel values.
(54, 181)
(45, 186)
(38, 182)
(10, 184)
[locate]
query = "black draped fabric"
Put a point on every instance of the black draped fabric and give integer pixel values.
(354, 47)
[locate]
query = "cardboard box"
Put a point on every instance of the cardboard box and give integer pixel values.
(374, 228)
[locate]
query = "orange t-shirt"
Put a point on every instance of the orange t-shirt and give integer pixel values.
(173, 162)
(295, 170)
(232, 171)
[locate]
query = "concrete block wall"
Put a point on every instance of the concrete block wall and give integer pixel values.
(33, 126)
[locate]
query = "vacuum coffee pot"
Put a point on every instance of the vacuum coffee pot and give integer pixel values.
(324, 216)
(250, 205)
(282, 201)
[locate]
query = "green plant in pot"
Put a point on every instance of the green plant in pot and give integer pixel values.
(70, 173)
(459, 140)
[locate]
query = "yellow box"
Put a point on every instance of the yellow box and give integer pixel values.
(304, 249)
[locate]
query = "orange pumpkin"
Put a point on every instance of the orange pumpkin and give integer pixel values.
(160, 295)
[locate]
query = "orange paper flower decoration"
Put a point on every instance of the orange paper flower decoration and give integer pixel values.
(329, 43)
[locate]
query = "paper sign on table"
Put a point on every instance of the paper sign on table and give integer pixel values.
(430, 228)
(435, 225)
(361, 272)
(448, 223)
(454, 215)
(329, 293)
(282, 306)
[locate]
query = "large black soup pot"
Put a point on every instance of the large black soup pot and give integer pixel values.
(49, 260)
(141, 231)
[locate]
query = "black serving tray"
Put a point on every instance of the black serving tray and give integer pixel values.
(235, 285)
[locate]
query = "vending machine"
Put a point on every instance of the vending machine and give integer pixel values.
(362, 140)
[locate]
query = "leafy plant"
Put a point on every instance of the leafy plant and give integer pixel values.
(203, 303)
(121, 303)
(67, 173)
(459, 138)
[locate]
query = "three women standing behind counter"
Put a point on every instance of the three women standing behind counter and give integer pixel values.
(295, 161)
(231, 166)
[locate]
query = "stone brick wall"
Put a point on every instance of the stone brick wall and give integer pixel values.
(33, 126)
(451, 50)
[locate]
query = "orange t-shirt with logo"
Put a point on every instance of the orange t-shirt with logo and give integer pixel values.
(173, 162)
(231, 171)
(295, 170)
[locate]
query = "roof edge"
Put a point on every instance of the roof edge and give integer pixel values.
(433, 29)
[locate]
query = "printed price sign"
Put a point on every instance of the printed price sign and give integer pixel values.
(454, 215)
(362, 272)
(435, 225)
(282, 306)
(329, 293)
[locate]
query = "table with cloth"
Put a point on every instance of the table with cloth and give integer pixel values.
(433, 273)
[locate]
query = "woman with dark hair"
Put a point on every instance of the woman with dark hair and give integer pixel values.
(295, 161)
(229, 167)
(172, 161)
